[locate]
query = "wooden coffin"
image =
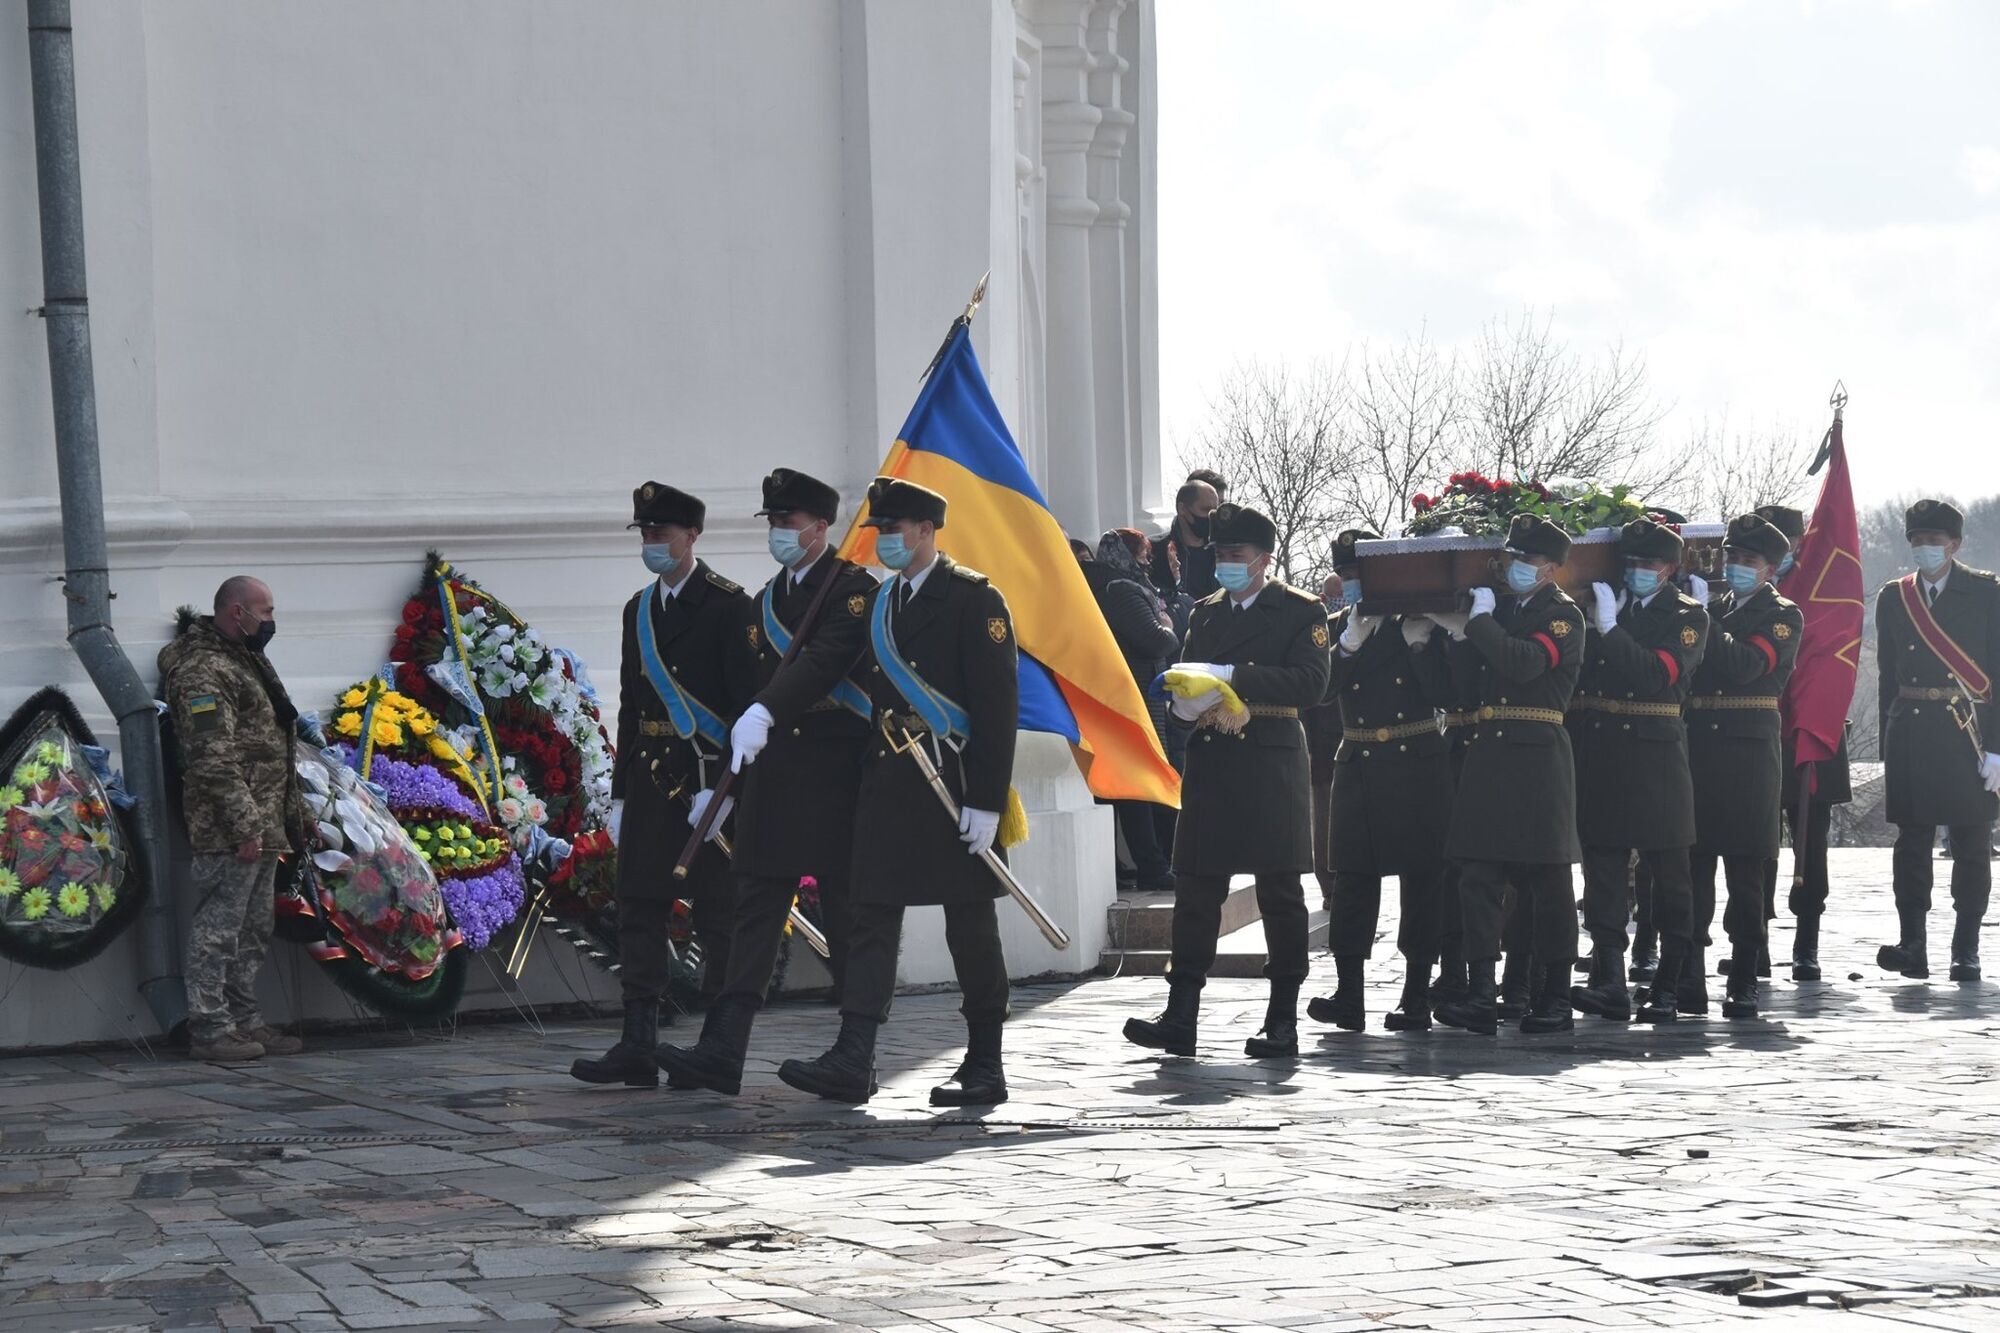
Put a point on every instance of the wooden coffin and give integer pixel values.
(1405, 575)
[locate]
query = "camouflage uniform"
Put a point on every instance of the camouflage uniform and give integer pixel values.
(233, 721)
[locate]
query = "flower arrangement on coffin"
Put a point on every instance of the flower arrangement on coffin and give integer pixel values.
(1481, 506)
(385, 930)
(69, 881)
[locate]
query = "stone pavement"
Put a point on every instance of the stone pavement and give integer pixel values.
(1839, 1153)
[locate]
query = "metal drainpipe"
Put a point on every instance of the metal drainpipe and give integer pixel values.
(86, 574)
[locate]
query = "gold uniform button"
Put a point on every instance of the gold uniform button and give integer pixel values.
(796, 732)
(1382, 733)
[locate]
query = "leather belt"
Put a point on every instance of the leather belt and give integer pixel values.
(827, 706)
(1272, 710)
(1402, 731)
(1513, 713)
(1591, 703)
(1703, 702)
(1450, 720)
(649, 727)
(1934, 693)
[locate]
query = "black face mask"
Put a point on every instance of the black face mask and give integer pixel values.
(261, 636)
(1197, 526)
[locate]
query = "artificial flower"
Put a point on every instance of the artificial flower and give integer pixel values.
(30, 774)
(354, 698)
(35, 904)
(10, 797)
(10, 883)
(348, 724)
(73, 899)
(107, 895)
(421, 723)
(49, 752)
(100, 839)
(385, 732)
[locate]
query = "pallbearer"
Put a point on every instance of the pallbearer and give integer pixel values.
(1246, 805)
(1938, 631)
(1514, 814)
(1737, 755)
(684, 674)
(797, 748)
(1633, 789)
(1391, 806)
(939, 656)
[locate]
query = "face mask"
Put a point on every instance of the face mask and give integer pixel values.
(1234, 576)
(1522, 577)
(659, 558)
(1785, 565)
(893, 551)
(1350, 592)
(786, 548)
(1742, 578)
(1930, 559)
(1197, 527)
(1642, 582)
(261, 635)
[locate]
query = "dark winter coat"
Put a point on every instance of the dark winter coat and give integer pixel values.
(1634, 789)
(1392, 769)
(1734, 746)
(1930, 760)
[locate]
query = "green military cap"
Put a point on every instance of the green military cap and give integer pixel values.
(1644, 539)
(1343, 546)
(1531, 534)
(1240, 525)
(789, 492)
(1757, 535)
(1784, 518)
(1934, 516)
(892, 498)
(655, 503)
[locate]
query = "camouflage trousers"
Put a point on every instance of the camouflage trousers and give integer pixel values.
(231, 934)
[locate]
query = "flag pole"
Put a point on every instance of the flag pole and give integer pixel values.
(963, 321)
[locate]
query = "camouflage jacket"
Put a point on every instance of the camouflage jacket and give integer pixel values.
(233, 722)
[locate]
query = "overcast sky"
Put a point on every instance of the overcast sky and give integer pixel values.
(1762, 196)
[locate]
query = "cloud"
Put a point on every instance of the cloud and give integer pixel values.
(1979, 168)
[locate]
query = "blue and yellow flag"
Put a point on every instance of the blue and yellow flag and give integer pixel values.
(1074, 681)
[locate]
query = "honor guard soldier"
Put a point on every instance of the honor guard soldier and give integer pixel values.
(1938, 647)
(685, 672)
(1246, 798)
(1737, 756)
(1634, 792)
(1391, 806)
(938, 665)
(797, 749)
(1514, 814)
(1829, 784)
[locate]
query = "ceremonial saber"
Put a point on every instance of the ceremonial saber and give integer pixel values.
(911, 746)
(806, 929)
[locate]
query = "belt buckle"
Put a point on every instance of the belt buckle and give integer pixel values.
(1485, 713)
(1381, 733)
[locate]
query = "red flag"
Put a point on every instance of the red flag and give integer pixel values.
(1826, 583)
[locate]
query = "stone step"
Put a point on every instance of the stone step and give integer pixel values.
(1240, 953)
(1140, 921)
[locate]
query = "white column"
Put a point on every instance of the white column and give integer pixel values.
(1110, 369)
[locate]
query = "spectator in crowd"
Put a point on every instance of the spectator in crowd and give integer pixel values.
(233, 725)
(1213, 478)
(1144, 629)
(1183, 560)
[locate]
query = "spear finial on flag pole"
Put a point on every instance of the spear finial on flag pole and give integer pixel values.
(1837, 400)
(965, 320)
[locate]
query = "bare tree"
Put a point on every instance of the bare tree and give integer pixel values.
(1735, 471)
(1403, 431)
(1275, 433)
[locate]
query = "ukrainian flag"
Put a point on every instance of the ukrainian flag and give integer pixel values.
(1074, 681)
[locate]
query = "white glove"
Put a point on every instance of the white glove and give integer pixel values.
(1989, 771)
(1452, 621)
(1189, 709)
(617, 820)
(976, 829)
(1417, 630)
(748, 737)
(1698, 588)
(700, 803)
(1359, 627)
(1482, 603)
(1222, 671)
(1607, 606)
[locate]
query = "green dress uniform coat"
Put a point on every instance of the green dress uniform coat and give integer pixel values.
(1634, 789)
(957, 634)
(699, 635)
(1734, 748)
(795, 814)
(1392, 782)
(1246, 798)
(1930, 762)
(1516, 798)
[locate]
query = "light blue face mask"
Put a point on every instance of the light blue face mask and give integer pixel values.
(893, 551)
(1522, 577)
(1233, 575)
(1742, 579)
(1930, 559)
(786, 548)
(1642, 582)
(1785, 565)
(1350, 592)
(659, 558)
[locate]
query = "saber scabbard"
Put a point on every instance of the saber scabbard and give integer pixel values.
(903, 742)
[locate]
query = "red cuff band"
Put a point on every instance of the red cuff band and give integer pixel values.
(1673, 665)
(1555, 653)
(1770, 654)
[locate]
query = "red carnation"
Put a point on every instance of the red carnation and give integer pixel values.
(413, 612)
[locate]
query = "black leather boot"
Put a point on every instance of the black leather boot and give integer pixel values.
(1279, 1038)
(1645, 954)
(1450, 986)
(714, 1062)
(980, 1080)
(1911, 954)
(630, 1059)
(1346, 1008)
(1476, 1012)
(846, 1072)
(1606, 994)
(1174, 1030)
(1549, 1010)
(1513, 1001)
(1691, 987)
(1660, 1003)
(1965, 948)
(1805, 948)
(1740, 999)
(1413, 1012)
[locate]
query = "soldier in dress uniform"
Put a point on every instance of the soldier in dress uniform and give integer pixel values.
(1246, 799)
(939, 655)
(1938, 636)
(1826, 786)
(1514, 814)
(797, 750)
(1391, 804)
(684, 674)
(1737, 755)
(1633, 788)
